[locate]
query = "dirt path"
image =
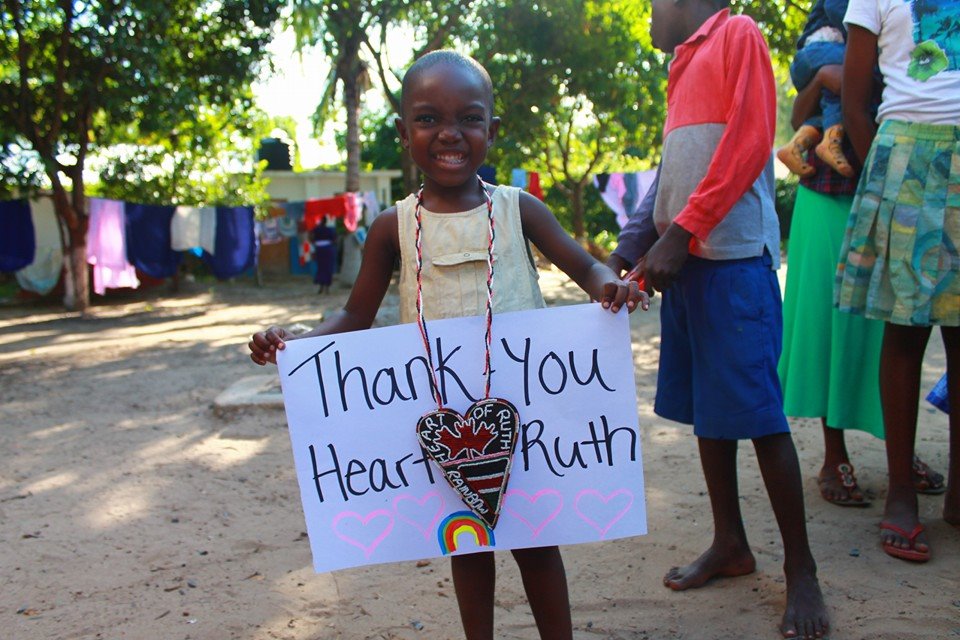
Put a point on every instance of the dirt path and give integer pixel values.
(129, 508)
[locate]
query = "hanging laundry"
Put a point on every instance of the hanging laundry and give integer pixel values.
(191, 226)
(304, 249)
(600, 180)
(148, 239)
(533, 185)
(295, 210)
(269, 231)
(613, 193)
(623, 192)
(371, 206)
(488, 174)
(352, 208)
(42, 275)
(208, 229)
(319, 208)
(236, 244)
(518, 178)
(18, 242)
(289, 222)
(300, 252)
(107, 247)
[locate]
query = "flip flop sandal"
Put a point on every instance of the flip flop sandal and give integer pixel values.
(844, 475)
(911, 553)
(925, 479)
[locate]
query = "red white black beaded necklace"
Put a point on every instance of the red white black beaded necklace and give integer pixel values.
(473, 451)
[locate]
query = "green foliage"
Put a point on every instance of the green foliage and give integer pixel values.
(579, 88)
(381, 142)
(209, 160)
(80, 79)
(781, 22)
(92, 75)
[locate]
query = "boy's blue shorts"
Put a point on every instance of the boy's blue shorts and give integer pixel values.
(722, 331)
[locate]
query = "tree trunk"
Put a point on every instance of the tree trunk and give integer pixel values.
(576, 210)
(351, 99)
(77, 252)
(75, 220)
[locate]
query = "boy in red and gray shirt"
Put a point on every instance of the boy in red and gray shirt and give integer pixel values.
(714, 256)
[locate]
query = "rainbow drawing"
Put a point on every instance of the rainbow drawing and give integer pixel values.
(463, 523)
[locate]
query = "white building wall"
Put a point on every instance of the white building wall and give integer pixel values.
(292, 186)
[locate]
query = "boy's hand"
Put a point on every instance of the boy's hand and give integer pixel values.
(264, 345)
(618, 292)
(665, 259)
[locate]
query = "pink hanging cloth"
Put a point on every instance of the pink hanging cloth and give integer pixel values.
(107, 247)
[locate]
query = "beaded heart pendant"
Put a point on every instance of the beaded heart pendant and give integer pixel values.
(474, 451)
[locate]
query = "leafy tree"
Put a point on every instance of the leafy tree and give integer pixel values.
(76, 75)
(578, 86)
(353, 35)
(202, 161)
(781, 22)
(339, 27)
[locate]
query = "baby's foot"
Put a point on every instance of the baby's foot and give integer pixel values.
(830, 150)
(794, 154)
(713, 563)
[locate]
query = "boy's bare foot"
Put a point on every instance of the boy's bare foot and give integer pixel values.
(713, 563)
(793, 154)
(806, 615)
(830, 150)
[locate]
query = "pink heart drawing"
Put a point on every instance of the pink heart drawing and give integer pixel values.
(361, 529)
(415, 511)
(599, 509)
(537, 517)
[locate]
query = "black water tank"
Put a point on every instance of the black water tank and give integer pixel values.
(277, 154)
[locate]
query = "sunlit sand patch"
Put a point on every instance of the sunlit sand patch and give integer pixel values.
(222, 453)
(120, 504)
(51, 483)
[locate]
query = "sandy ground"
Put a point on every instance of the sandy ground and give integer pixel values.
(130, 508)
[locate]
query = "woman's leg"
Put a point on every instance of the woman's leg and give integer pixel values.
(951, 500)
(900, 362)
(836, 480)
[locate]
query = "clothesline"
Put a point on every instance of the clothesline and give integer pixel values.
(124, 238)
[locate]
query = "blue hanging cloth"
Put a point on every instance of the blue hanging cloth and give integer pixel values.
(236, 245)
(18, 242)
(148, 240)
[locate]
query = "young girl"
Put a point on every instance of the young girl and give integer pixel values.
(446, 123)
(900, 261)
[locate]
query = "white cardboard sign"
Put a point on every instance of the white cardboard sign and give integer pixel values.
(369, 493)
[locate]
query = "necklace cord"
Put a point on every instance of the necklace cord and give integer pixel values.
(421, 320)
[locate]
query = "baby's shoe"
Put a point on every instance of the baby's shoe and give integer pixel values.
(830, 150)
(794, 154)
